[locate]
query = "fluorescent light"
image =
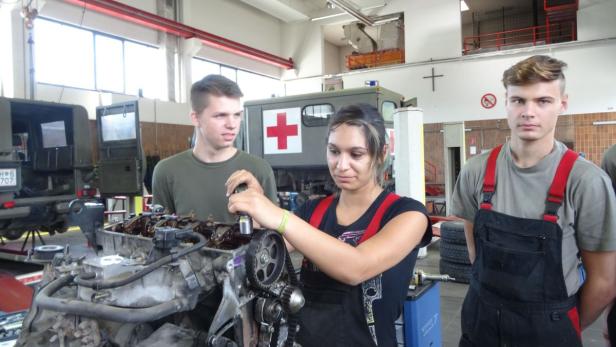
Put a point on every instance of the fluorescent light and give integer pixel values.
(604, 122)
(463, 6)
(342, 13)
(328, 16)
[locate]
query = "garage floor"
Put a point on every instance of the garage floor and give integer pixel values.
(452, 296)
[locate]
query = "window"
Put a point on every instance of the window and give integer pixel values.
(317, 115)
(118, 127)
(70, 56)
(143, 70)
(387, 110)
(253, 86)
(54, 134)
(229, 73)
(109, 64)
(64, 55)
(201, 68)
(256, 86)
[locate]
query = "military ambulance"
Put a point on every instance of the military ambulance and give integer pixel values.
(46, 160)
(291, 133)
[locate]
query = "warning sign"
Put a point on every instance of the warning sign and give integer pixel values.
(488, 100)
(282, 131)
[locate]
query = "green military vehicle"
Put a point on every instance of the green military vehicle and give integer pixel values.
(291, 133)
(46, 160)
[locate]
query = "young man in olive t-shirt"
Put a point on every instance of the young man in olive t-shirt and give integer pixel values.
(193, 181)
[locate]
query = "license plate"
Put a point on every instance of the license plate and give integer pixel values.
(8, 177)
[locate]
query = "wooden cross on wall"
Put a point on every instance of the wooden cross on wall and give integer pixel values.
(433, 77)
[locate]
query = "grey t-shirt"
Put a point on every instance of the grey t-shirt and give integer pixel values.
(183, 184)
(587, 216)
(608, 163)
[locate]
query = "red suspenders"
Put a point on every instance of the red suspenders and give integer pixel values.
(557, 189)
(373, 227)
(556, 193)
(489, 179)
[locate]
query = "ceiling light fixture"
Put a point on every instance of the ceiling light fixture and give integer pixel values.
(604, 122)
(463, 6)
(345, 13)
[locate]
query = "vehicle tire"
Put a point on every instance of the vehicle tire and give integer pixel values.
(454, 253)
(461, 273)
(12, 234)
(453, 232)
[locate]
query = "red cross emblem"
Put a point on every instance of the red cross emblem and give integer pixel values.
(281, 131)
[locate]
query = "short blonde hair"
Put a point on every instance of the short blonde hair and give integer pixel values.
(538, 68)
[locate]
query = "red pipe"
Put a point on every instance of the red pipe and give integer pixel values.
(147, 19)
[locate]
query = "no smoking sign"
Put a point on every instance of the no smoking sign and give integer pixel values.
(488, 100)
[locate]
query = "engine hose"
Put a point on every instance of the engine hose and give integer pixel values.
(107, 284)
(45, 300)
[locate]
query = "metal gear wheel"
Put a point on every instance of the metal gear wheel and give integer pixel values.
(265, 258)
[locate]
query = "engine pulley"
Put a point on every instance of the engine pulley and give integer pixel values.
(265, 258)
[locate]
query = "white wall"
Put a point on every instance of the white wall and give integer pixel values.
(239, 22)
(150, 110)
(596, 19)
(304, 43)
(331, 59)
(432, 30)
(11, 54)
(89, 19)
(590, 81)
(344, 51)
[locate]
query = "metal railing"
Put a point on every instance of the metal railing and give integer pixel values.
(532, 36)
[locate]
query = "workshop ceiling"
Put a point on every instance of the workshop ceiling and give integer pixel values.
(304, 10)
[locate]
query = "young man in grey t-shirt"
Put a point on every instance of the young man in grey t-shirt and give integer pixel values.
(193, 181)
(534, 212)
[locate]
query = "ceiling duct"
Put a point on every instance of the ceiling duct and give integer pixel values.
(366, 39)
(369, 21)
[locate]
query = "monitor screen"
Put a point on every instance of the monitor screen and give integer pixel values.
(54, 134)
(118, 127)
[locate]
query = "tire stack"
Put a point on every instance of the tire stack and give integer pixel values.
(454, 254)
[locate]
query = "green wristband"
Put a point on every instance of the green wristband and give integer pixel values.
(283, 223)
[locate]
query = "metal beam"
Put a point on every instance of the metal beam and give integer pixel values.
(150, 20)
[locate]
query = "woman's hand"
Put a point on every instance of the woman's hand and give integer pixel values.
(257, 206)
(242, 176)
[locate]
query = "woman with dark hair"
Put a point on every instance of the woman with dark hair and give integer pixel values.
(360, 245)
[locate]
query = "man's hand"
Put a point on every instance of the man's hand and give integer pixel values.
(470, 240)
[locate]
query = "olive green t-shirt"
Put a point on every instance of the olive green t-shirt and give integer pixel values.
(183, 184)
(587, 215)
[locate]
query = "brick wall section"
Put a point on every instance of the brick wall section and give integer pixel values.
(487, 134)
(433, 153)
(165, 139)
(171, 138)
(576, 131)
(591, 139)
